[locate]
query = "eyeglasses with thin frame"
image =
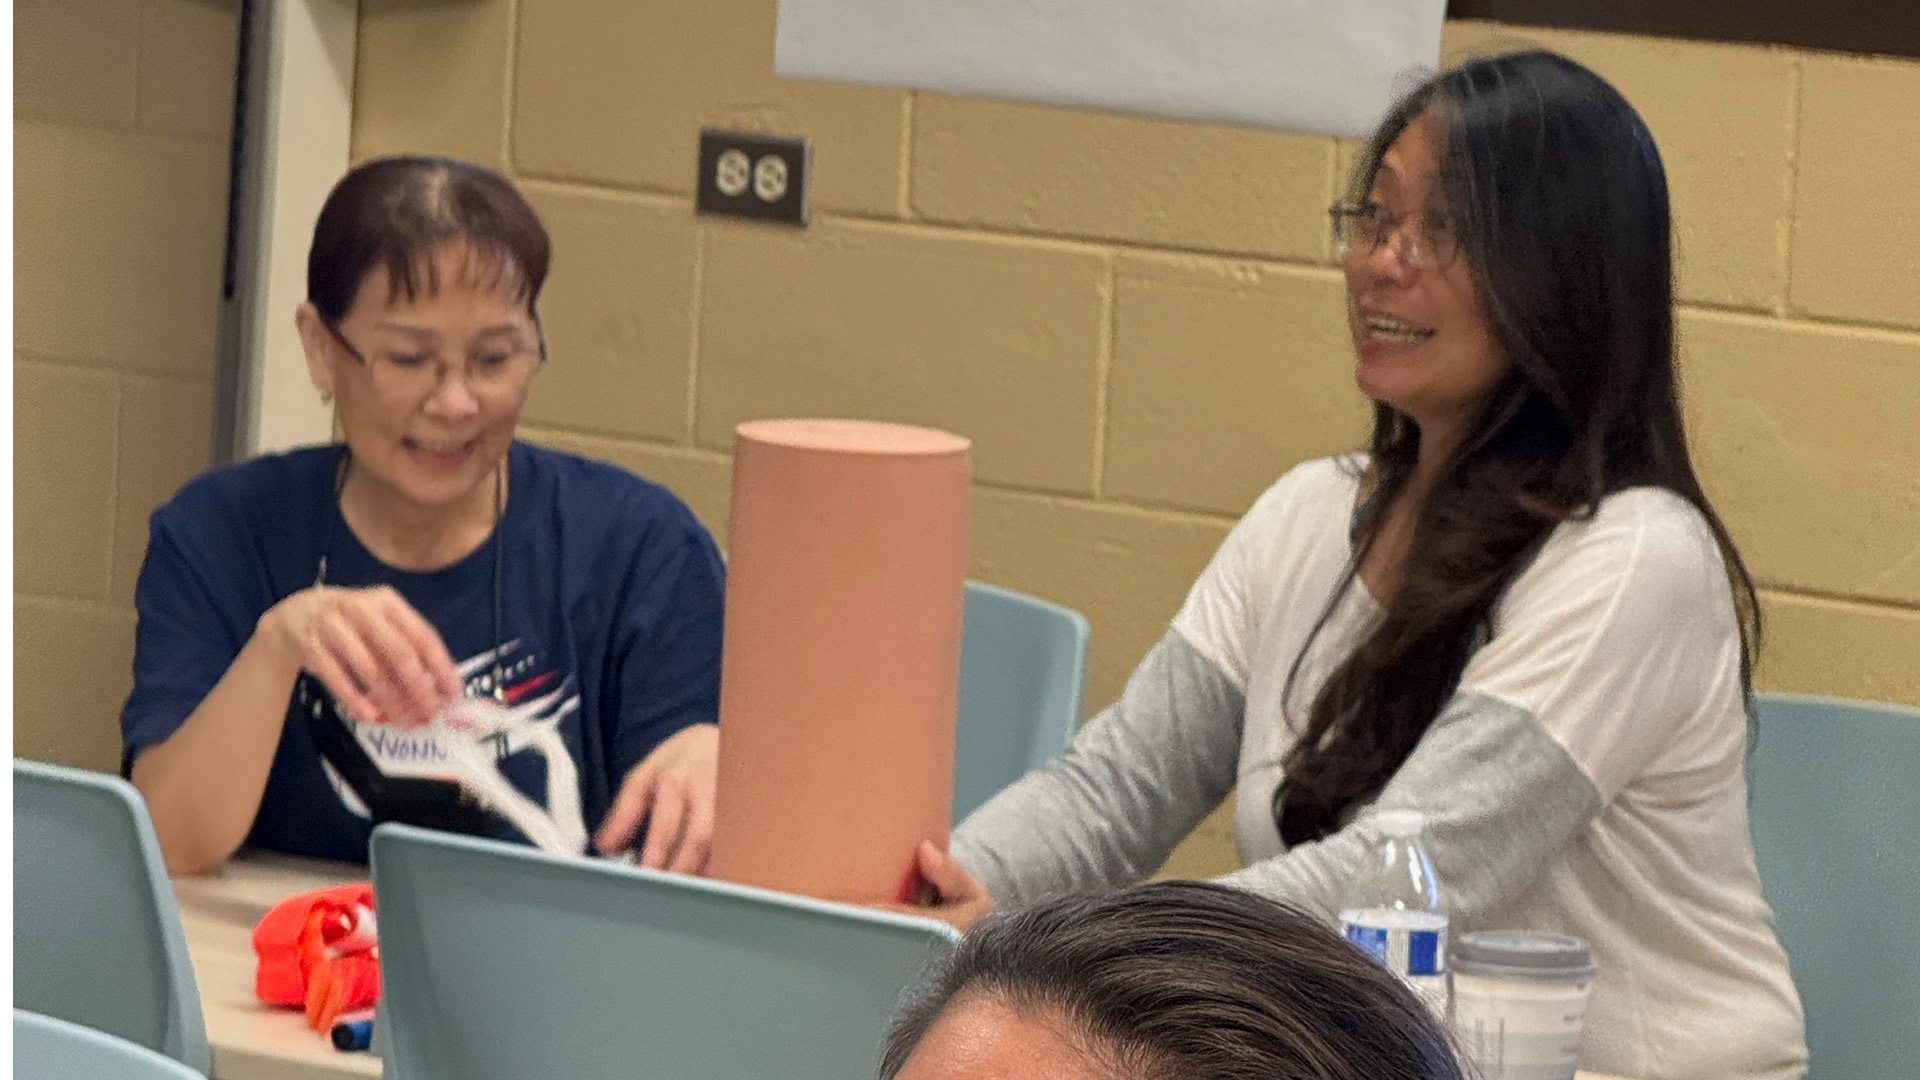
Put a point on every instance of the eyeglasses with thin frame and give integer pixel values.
(493, 372)
(1426, 243)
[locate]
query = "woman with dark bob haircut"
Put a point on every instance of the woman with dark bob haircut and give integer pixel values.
(1168, 981)
(1516, 613)
(427, 621)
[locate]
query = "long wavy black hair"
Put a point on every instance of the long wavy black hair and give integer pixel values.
(1555, 191)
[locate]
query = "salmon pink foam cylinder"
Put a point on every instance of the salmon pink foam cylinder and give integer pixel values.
(845, 591)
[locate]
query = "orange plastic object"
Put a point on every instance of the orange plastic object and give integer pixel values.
(317, 951)
(845, 592)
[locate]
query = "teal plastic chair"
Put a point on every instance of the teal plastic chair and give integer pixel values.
(1835, 788)
(96, 932)
(1022, 663)
(49, 1049)
(499, 962)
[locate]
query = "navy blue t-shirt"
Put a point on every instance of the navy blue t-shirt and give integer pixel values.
(608, 641)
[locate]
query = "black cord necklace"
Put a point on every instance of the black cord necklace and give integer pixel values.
(432, 802)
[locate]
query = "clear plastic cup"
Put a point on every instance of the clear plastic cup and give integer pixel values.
(1519, 1002)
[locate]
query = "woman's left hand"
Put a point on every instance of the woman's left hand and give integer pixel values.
(960, 899)
(672, 791)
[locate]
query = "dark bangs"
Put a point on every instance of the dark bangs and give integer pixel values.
(398, 212)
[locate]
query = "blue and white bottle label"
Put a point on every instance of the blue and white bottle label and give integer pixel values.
(1411, 944)
(1406, 952)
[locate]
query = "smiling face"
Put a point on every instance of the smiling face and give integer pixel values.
(429, 406)
(1424, 344)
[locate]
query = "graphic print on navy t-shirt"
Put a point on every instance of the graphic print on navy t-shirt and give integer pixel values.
(507, 754)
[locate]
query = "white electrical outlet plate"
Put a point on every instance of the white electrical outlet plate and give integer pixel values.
(763, 177)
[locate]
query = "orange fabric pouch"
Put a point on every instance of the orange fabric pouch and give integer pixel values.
(318, 951)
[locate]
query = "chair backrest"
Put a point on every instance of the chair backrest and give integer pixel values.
(96, 933)
(499, 961)
(1022, 663)
(49, 1049)
(1836, 827)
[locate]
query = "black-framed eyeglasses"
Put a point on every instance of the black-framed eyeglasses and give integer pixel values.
(1427, 243)
(501, 371)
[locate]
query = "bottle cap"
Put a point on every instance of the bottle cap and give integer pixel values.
(1525, 954)
(1401, 824)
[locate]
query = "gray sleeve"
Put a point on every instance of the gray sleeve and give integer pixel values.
(1137, 779)
(1501, 797)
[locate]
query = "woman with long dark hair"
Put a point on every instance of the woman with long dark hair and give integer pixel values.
(1516, 613)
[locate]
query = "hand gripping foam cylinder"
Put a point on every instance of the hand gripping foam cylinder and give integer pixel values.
(840, 675)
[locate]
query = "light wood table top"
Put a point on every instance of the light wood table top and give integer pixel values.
(252, 1041)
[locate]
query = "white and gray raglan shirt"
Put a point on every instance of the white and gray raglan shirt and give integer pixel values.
(1588, 776)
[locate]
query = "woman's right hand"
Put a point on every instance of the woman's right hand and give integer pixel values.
(382, 661)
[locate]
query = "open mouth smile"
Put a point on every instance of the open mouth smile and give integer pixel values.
(1384, 328)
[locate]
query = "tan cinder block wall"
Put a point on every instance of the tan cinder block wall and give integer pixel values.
(121, 112)
(1139, 322)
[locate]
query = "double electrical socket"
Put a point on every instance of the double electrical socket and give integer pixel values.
(753, 176)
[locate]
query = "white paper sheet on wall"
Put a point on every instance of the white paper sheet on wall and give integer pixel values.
(1326, 66)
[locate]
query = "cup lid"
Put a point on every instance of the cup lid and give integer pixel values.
(1536, 953)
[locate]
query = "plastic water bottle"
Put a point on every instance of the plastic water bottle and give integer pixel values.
(1393, 909)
